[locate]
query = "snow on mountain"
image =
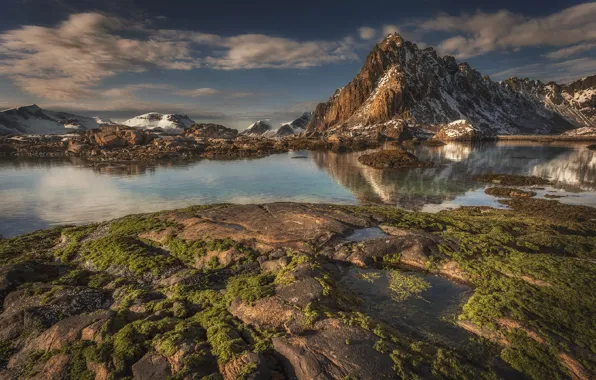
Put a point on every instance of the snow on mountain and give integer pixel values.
(35, 120)
(168, 122)
(294, 127)
(400, 81)
(259, 128)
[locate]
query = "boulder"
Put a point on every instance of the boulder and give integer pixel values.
(152, 366)
(395, 129)
(11, 276)
(460, 130)
(234, 369)
(270, 313)
(333, 351)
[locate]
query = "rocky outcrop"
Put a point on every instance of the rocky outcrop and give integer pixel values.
(399, 81)
(392, 159)
(211, 131)
(461, 130)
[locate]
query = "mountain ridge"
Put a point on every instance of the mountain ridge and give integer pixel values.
(400, 81)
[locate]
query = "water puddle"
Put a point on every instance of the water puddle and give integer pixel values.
(428, 314)
(369, 233)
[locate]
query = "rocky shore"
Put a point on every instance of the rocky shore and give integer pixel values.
(262, 292)
(117, 143)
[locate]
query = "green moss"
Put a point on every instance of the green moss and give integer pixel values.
(73, 237)
(6, 352)
(126, 252)
(404, 286)
(31, 245)
(250, 288)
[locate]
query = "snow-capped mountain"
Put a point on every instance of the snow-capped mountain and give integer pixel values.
(168, 122)
(259, 128)
(401, 81)
(35, 120)
(295, 127)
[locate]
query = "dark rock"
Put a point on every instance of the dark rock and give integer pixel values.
(325, 354)
(391, 159)
(152, 366)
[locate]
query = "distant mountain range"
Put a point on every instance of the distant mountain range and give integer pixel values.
(35, 120)
(399, 81)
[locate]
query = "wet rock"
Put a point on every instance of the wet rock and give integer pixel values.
(325, 354)
(509, 192)
(512, 180)
(391, 159)
(152, 366)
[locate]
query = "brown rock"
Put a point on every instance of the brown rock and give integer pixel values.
(236, 367)
(152, 366)
(324, 354)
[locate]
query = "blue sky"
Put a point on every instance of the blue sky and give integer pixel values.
(237, 62)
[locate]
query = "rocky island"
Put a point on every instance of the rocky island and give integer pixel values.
(280, 291)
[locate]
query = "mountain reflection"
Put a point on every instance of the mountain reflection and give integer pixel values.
(569, 166)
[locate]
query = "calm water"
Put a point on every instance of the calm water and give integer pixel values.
(36, 194)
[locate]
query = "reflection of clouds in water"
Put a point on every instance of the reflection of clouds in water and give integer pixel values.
(577, 168)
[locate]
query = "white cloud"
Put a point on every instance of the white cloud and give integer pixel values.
(479, 33)
(571, 51)
(560, 72)
(70, 60)
(367, 33)
(197, 92)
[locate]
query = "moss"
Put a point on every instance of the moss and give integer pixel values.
(246, 371)
(509, 192)
(31, 245)
(77, 367)
(6, 351)
(404, 286)
(73, 238)
(126, 252)
(250, 288)
(133, 225)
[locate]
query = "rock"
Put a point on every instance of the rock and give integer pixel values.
(269, 313)
(395, 158)
(58, 336)
(325, 354)
(395, 129)
(211, 131)
(275, 265)
(235, 368)
(56, 368)
(459, 130)
(152, 366)
(509, 192)
(11, 276)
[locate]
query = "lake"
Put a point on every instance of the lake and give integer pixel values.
(40, 193)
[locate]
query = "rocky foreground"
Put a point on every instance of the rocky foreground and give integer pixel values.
(261, 292)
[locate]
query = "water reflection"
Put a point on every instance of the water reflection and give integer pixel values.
(38, 193)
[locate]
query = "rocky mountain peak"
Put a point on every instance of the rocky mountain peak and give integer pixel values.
(399, 81)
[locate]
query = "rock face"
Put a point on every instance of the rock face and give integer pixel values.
(259, 128)
(167, 122)
(35, 120)
(401, 81)
(460, 130)
(211, 131)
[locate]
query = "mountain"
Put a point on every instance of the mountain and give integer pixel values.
(259, 128)
(295, 127)
(168, 122)
(35, 120)
(399, 81)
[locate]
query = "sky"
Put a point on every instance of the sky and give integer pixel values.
(235, 62)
